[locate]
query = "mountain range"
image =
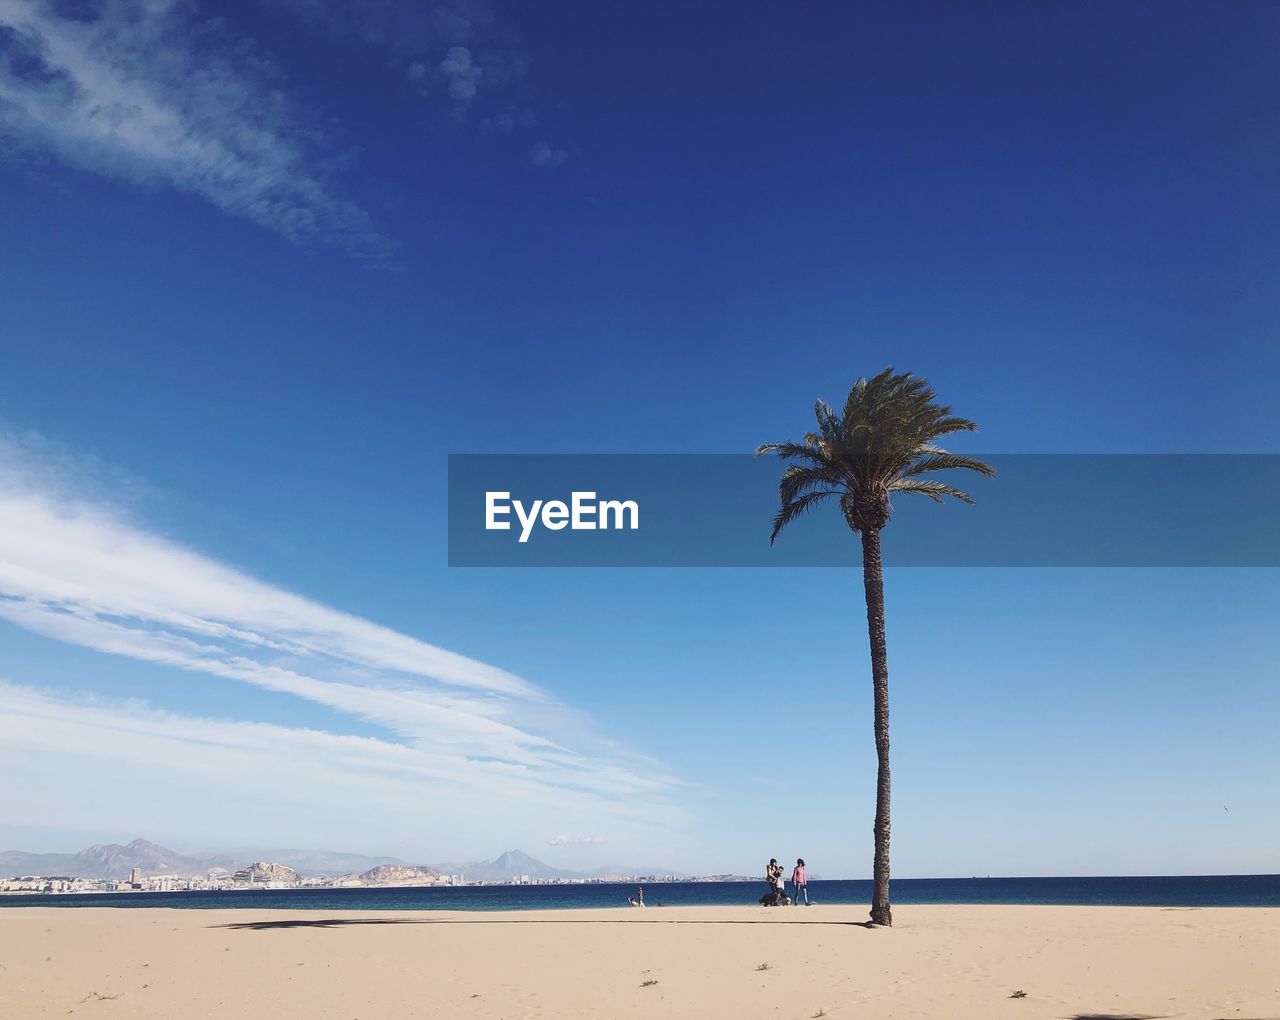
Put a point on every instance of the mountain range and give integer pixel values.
(113, 860)
(116, 861)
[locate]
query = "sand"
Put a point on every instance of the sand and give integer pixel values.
(703, 962)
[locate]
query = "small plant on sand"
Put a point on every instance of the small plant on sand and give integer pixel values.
(820, 1013)
(1019, 994)
(646, 984)
(764, 966)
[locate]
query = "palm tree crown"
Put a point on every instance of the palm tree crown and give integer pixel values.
(883, 442)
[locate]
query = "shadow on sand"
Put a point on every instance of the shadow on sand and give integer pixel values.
(1145, 1016)
(346, 922)
(1118, 1016)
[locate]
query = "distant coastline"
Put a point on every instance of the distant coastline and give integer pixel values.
(1171, 892)
(143, 866)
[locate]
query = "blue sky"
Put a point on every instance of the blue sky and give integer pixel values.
(266, 269)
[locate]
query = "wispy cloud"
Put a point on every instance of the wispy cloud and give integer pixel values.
(87, 763)
(576, 841)
(461, 74)
(459, 53)
(545, 155)
(78, 570)
(141, 90)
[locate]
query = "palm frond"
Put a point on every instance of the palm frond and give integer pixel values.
(798, 480)
(796, 508)
(933, 489)
(787, 450)
(943, 461)
(947, 424)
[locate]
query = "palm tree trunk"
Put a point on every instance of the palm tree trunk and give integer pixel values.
(873, 581)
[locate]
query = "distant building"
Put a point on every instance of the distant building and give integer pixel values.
(135, 878)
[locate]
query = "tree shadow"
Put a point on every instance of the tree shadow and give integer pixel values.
(346, 922)
(1145, 1016)
(1118, 1016)
(319, 922)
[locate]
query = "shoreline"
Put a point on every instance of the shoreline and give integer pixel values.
(1258, 891)
(695, 962)
(36, 901)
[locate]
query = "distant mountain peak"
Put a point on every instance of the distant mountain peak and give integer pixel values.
(511, 864)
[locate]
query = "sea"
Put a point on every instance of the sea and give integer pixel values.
(1178, 891)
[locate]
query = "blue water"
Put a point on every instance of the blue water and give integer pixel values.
(1186, 891)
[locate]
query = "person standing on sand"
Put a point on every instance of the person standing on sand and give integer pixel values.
(773, 875)
(799, 884)
(639, 896)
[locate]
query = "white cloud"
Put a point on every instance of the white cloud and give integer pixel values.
(460, 73)
(79, 571)
(543, 154)
(576, 841)
(141, 92)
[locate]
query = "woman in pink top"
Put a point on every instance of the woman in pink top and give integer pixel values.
(800, 883)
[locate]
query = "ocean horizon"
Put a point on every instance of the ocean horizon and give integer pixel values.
(1134, 891)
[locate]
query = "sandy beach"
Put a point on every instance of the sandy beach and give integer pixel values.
(937, 961)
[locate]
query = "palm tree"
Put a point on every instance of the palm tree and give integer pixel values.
(882, 443)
